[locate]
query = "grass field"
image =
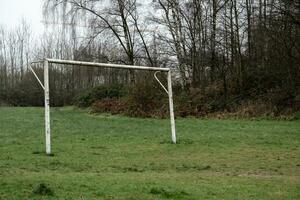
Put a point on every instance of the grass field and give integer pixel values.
(116, 157)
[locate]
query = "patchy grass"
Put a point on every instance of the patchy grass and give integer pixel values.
(115, 157)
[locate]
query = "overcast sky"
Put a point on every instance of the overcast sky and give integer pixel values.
(12, 11)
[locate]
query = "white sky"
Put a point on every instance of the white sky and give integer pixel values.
(12, 12)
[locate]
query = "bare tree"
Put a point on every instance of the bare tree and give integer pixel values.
(117, 17)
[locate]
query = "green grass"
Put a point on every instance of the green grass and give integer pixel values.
(116, 157)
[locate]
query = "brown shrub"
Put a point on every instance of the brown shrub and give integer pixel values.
(108, 105)
(144, 100)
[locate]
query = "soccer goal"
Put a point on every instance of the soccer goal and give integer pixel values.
(45, 86)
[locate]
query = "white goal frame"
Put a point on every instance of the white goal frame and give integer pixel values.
(45, 86)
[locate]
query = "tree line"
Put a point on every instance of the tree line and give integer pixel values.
(222, 51)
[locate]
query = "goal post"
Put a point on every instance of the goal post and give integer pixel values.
(47, 107)
(48, 61)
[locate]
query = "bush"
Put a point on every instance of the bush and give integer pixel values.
(142, 100)
(108, 105)
(87, 98)
(149, 100)
(25, 93)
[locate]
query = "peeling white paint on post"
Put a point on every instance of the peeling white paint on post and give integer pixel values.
(47, 107)
(172, 119)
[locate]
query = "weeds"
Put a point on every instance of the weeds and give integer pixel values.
(168, 193)
(44, 190)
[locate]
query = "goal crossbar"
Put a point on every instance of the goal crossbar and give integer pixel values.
(45, 87)
(106, 65)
